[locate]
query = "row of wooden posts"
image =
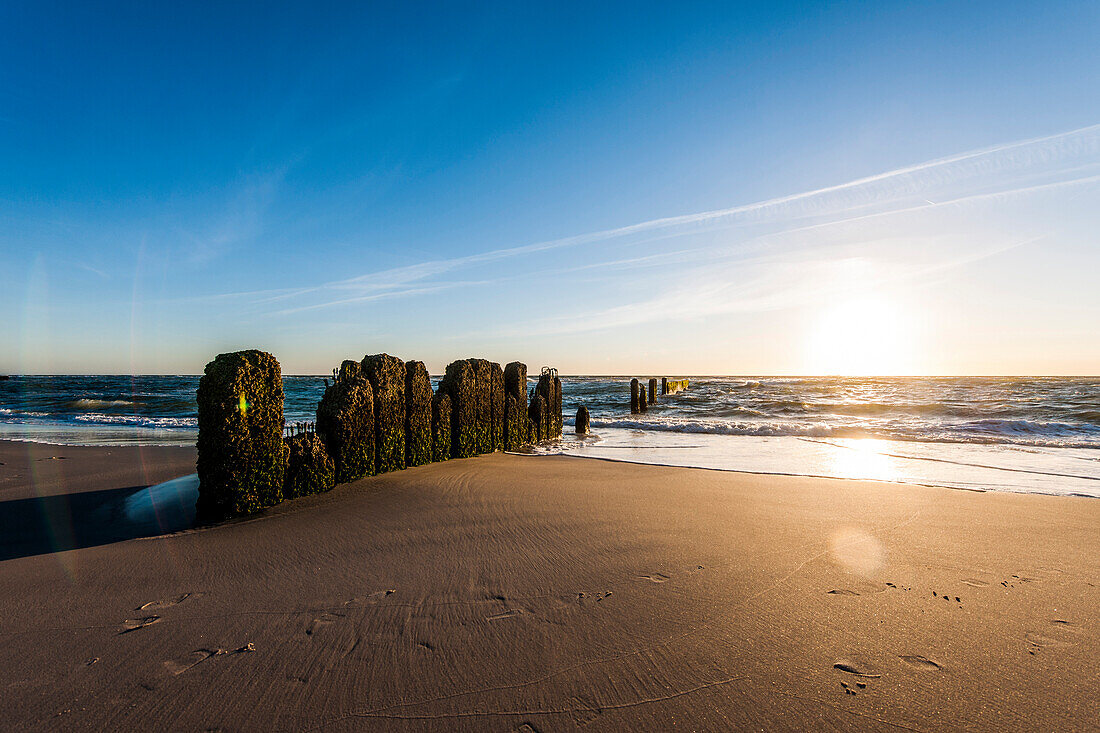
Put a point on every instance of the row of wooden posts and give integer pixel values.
(640, 398)
(378, 415)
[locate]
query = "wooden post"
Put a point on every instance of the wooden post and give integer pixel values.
(653, 391)
(345, 422)
(634, 408)
(386, 375)
(515, 387)
(418, 414)
(582, 423)
(460, 383)
(242, 457)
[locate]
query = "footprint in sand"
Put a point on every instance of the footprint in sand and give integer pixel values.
(858, 667)
(370, 597)
(842, 592)
(1041, 641)
(655, 577)
(924, 664)
(585, 710)
(159, 605)
(319, 623)
(849, 691)
(178, 666)
(133, 624)
(505, 614)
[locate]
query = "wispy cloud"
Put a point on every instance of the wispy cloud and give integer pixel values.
(970, 179)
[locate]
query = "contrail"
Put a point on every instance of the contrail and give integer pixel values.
(909, 181)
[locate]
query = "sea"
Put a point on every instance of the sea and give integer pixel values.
(1019, 434)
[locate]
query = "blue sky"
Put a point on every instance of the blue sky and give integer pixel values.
(721, 188)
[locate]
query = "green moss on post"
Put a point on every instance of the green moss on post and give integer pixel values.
(515, 386)
(483, 375)
(441, 426)
(634, 408)
(386, 375)
(582, 425)
(557, 420)
(242, 459)
(496, 405)
(418, 414)
(540, 418)
(345, 422)
(652, 394)
(549, 386)
(310, 469)
(460, 384)
(641, 399)
(515, 424)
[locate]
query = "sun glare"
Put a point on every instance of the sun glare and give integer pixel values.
(862, 337)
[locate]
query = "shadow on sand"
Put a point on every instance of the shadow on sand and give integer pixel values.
(48, 524)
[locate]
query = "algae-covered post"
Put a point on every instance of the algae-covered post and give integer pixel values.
(310, 469)
(549, 387)
(460, 384)
(515, 386)
(539, 415)
(345, 422)
(641, 399)
(418, 414)
(634, 407)
(441, 426)
(515, 423)
(242, 457)
(386, 375)
(582, 423)
(496, 405)
(555, 409)
(483, 430)
(653, 391)
(672, 386)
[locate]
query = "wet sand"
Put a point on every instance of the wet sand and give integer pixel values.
(518, 593)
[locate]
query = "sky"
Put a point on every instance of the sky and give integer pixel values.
(674, 188)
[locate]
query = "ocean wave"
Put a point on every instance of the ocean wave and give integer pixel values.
(85, 403)
(22, 413)
(138, 420)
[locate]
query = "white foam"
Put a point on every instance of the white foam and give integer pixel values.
(1056, 471)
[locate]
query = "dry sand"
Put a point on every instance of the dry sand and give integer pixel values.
(536, 594)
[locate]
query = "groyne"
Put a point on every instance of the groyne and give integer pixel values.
(379, 414)
(640, 398)
(672, 386)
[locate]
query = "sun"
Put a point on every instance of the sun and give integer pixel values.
(862, 337)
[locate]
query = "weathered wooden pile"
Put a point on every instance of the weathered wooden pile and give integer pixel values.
(583, 423)
(640, 399)
(672, 386)
(378, 415)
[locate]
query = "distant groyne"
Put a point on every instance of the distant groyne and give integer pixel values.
(379, 414)
(641, 398)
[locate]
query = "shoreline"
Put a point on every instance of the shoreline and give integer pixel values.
(492, 592)
(900, 482)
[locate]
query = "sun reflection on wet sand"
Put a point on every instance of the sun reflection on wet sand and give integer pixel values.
(864, 458)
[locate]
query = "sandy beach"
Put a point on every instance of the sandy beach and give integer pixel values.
(513, 593)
